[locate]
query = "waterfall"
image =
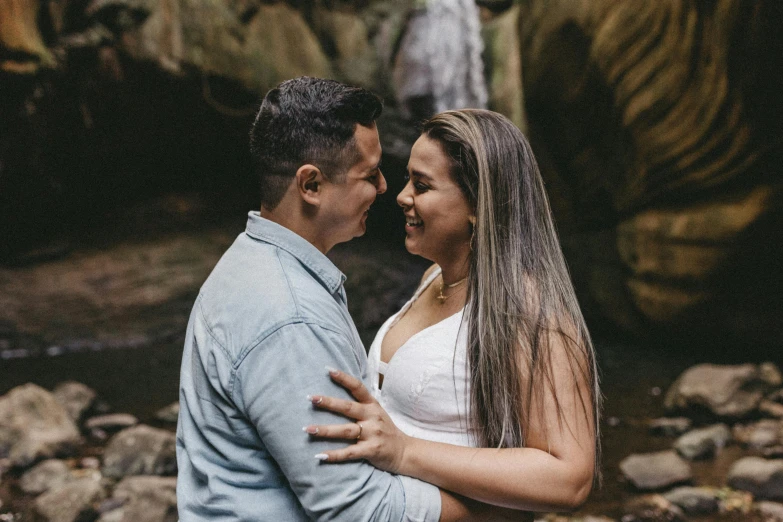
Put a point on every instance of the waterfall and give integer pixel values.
(439, 66)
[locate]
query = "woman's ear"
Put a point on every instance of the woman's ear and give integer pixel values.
(309, 184)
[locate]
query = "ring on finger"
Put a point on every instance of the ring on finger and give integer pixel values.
(359, 436)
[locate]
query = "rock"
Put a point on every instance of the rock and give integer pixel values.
(71, 501)
(655, 470)
(651, 508)
(771, 408)
(168, 414)
(90, 463)
(703, 442)
(140, 450)
(776, 396)
(726, 391)
(694, 501)
(144, 498)
(761, 477)
(773, 452)
(669, 426)
(771, 511)
(111, 422)
(45, 476)
(33, 425)
(75, 397)
(762, 434)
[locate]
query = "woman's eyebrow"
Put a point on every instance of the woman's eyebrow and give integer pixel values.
(419, 174)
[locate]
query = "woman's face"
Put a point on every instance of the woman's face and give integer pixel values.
(437, 213)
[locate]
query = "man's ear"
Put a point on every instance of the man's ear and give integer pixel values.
(309, 183)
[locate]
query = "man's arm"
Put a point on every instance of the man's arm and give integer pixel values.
(270, 386)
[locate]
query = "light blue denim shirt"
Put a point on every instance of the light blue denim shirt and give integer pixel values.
(267, 322)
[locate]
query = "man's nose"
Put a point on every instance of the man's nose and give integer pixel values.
(381, 187)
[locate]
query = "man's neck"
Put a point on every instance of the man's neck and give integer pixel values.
(297, 224)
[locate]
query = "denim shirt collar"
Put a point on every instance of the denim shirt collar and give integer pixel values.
(312, 258)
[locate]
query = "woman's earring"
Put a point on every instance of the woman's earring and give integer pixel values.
(472, 232)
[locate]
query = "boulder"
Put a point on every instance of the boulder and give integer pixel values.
(725, 391)
(75, 397)
(761, 477)
(703, 442)
(140, 450)
(168, 414)
(33, 425)
(669, 426)
(111, 422)
(70, 502)
(144, 499)
(44, 476)
(652, 508)
(694, 500)
(765, 433)
(770, 511)
(648, 471)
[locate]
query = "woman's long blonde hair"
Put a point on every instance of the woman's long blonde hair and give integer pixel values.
(520, 295)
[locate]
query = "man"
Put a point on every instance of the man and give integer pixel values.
(272, 316)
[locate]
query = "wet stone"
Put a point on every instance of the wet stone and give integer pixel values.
(771, 408)
(140, 450)
(761, 477)
(703, 442)
(648, 471)
(771, 511)
(168, 414)
(773, 452)
(762, 434)
(651, 508)
(33, 425)
(45, 476)
(75, 397)
(144, 498)
(70, 502)
(726, 391)
(669, 426)
(111, 422)
(694, 500)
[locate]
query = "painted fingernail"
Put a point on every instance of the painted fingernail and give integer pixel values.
(332, 371)
(312, 399)
(311, 430)
(322, 456)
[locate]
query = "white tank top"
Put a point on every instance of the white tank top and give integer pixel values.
(425, 384)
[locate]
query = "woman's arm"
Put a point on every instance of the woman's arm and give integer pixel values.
(554, 472)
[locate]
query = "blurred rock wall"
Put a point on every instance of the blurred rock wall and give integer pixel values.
(657, 125)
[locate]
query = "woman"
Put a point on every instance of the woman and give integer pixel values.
(488, 374)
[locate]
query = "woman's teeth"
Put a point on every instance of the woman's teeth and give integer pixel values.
(413, 222)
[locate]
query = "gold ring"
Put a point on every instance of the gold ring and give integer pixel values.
(359, 436)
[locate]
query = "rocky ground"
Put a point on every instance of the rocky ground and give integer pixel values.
(66, 457)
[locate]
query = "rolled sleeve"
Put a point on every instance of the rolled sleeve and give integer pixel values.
(271, 383)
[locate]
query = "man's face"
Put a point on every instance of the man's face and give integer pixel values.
(345, 204)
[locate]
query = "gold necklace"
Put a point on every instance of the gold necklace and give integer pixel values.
(442, 298)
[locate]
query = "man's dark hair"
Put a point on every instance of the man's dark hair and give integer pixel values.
(308, 120)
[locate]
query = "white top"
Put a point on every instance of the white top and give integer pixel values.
(425, 384)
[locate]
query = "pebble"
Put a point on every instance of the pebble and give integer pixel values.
(669, 426)
(703, 442)
(111, 422)
(655, 470)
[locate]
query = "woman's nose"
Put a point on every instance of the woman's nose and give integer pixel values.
(404, 198)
